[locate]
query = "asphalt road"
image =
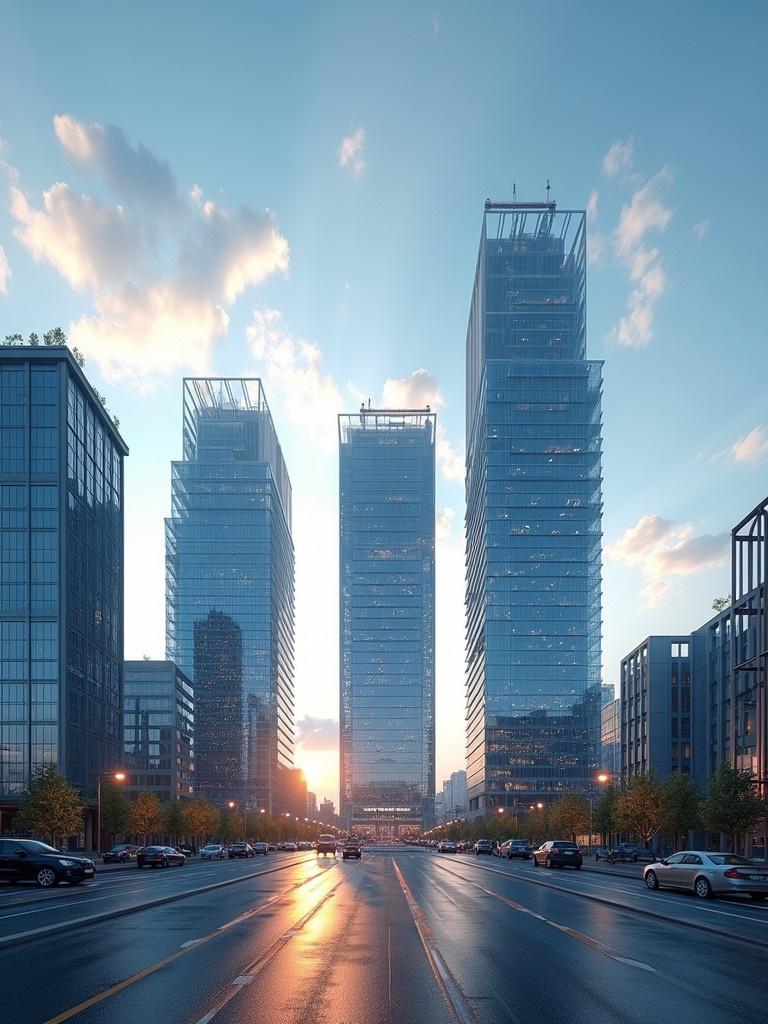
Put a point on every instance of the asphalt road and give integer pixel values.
(404, 936)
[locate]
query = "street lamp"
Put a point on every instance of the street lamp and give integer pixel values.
(601, 778)
(231, 805)
(118, 777)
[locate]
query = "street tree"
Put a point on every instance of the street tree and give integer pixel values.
(733, 805)
(174, 820)
(51, 807)
(116, 817)
(681, 804)
(202, 819)
(569, 815)
(604, 815)
(640, 808)
(146, 815)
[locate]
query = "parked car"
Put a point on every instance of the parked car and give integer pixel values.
(260, 848)
(24, 860)
(186, 850)
(120, 854)
(446, 846)
(326, 845)
(483, 846)
(630, 852)
(352, 848)
(240, 850)
(708, 874)
(159, 857)
(213, 851)
(602, 853)
(290, 846)
(556, 853)
(512, 848)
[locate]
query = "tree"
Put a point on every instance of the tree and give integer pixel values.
(229, 827)
(569, 815)
(604, 816)
(721, 603)
(733, 805)
(146, 815)
(51, 806)
(174, 820)
(55, 337)
(640, 808)
(14, 339)
(202, 818)
(535, 824)
(116, 817)
(681, 807)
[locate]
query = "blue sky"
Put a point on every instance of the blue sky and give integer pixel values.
(374, 137)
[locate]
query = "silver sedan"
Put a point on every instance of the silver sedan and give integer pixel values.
(709, 874)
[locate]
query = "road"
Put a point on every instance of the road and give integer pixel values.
(404, 936)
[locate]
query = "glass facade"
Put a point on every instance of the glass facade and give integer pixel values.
(534, 507)
(387, 619)
(61, 572)
(230, 590)
(158, 729)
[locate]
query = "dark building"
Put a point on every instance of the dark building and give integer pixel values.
(158, 730)
(230, 591)
(61, 573)
(387, 620)
(534, 510)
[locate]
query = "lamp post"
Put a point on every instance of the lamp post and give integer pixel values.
(601, 778)
(232, 805)
(118, 777)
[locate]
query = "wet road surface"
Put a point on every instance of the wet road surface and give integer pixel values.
(402, 936)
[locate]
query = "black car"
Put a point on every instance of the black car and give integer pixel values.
(515, 848)
(556, 854)
(159, 857)
(240, 850)
(24, 860)
(624, 852)
(351, 849)
(483, 846)
(120, 854)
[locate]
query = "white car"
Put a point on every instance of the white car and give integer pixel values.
(213, 851)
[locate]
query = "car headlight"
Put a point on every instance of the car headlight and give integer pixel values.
(68, 863)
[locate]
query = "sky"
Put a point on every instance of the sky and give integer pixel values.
(295, 191)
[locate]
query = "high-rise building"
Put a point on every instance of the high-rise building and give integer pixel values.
(327, 812)
(387, 619)
(230, 591)
(533, 525)
(61, 573)
(610, 739)
(158, 730)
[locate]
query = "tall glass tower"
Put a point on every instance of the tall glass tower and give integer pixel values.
(534, 512)
(387, 619)
(230, 590)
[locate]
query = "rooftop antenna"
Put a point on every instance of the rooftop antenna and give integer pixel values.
(514, 191)
(548, 187)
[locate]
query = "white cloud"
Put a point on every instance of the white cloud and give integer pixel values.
(662, 550)
(752, 447)
(317, 733)
(618, 158)
(352, 152)
(418, 391)
(161, 268)
(596, 248)
(700, 230)
(5, 272)
(592, 206)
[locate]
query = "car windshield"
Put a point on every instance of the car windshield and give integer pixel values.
(35, 847)
(565, 846)
(727, 858)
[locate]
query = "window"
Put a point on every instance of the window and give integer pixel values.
(675, 651)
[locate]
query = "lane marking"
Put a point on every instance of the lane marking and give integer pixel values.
(458, 1004)
(188, 947)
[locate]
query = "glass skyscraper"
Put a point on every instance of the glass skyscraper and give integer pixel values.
(387, 620)
(230, 590)
(61, 573)
(534, 508)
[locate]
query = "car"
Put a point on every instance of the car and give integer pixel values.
(351, 849)
(326, 845)
(630, 852)
(159, 857)
(447, 846)
(292, 847)
(240, 850)
(271, 847)
(304, 845)
(260, 848)
(120, 854)
(483, 846)
(23, 860)
(213, 851)
(515, 848)
(708, 874)
(557, 853)
(602, 853)
(186, 850)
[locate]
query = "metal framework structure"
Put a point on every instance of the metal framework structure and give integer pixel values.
(749, 659)
(385, 419)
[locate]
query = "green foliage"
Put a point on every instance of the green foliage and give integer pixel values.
(174, 819)
(604, 814)
(721, 603)
(116, 817)
(681, 803)
(640, 808)
(146, 815)
(14, 339)
(34, 341)
(55, 337)
(51, 806)
(569, 815)
(733, 805)
(230, 827)
(202, 818)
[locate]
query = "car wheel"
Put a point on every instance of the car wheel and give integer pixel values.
(652, 881)
(634, 858)
(758, 897)
(547, 863)
(702, 888)
(577, 866)
(46, 878)
(534, 862)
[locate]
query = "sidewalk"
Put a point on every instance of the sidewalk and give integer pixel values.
(602, 867)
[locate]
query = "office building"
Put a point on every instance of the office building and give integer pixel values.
(327, 811)
(158, 730)
(387, 620)
(534, 508)
(230, 591)
(61, 574)
(610, 739)
(454, 796)
(607, 694)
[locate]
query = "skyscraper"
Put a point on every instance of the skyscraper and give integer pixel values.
(61, 573)
(534, 510)
(387, 619)
(230, 590)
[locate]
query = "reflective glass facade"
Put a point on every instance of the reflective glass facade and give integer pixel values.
(158, 730)
(61, 572)
(533, 527)
(387, 619)
(230, 590)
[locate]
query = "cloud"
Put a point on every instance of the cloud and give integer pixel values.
(352, 152)
(292, 371)
(592, 206)
(317, 733)
(418, 391)
(5, 272)
(618, 158)
(161, 269)
(700, 230)
(662, 550)
(752, 447)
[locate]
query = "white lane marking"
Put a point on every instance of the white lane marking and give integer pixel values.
(74, 903)
(244, 979)
(191, 942)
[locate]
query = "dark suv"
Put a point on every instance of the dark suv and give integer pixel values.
(24, 860)
(629, 852)
(240, 850)
(326, 844)
(556, 854)
(483, 846)
(120, 854)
